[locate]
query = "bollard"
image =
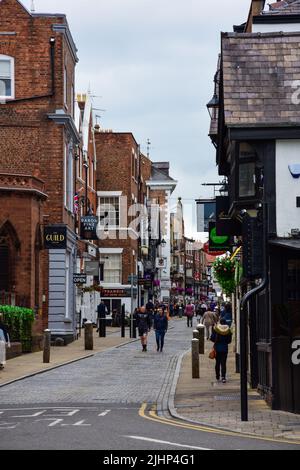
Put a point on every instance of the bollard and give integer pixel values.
(47, 346)
(123, 322)
(195, 359)
(196, 334)
(102, 327)
(88, 336)
(201, 329)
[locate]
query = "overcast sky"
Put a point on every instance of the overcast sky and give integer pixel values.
(151, 63)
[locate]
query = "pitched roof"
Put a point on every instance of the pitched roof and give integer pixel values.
(157, 175)
(261, 72)
(285, 7)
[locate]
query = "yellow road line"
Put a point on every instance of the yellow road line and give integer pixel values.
(195, 427)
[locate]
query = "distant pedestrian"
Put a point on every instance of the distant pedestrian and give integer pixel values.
(4, 343)
(209, 320)
(161, 328)
(102, 312)
(180, 310)
(227, 314)
(190, 312)
(143, 319)
(221, 337)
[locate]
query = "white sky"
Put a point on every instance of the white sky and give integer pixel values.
(152, 63)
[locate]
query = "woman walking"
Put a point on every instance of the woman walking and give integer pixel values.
(161, 328)
(144, 323)
(222, 337)
(190, 312)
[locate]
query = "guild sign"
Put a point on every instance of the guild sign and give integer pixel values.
(55, 237)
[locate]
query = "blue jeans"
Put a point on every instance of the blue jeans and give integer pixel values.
(160, 339)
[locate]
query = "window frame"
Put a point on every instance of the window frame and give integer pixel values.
(239, 162)
(118, 212)
(12, 78)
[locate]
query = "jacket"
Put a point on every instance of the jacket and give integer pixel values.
(160, 323)
(190, 310)
(143, 321)
(209, 318)
(222, 337)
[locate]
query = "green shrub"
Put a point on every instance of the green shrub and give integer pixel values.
(19, 321)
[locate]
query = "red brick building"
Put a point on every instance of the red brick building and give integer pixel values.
(38, 138)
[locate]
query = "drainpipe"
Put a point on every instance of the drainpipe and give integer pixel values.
(244, 322)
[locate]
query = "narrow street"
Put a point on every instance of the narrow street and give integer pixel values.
(109, 401)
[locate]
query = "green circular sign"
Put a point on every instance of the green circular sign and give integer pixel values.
(218, 240)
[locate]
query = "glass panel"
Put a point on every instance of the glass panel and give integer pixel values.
(247, 151)
(5, 87)
(247, 179)
(109, 212)
(112, 268)
(5, 69)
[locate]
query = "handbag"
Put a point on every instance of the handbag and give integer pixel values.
(213, 354)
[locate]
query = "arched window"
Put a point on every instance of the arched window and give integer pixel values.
(7, 77)
(9, 249)
(4, 268)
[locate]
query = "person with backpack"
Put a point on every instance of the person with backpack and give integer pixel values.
(221, 337)
(161, 328)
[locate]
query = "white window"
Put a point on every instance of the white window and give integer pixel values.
(112, 268)
(7, 77)
(109, 212)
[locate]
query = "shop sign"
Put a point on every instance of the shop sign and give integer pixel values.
(89, 225)
(55, 237)
(79, 278)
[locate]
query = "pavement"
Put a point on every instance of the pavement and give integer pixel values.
(31, 364)
(208, 402)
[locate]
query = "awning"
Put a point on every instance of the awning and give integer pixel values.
(290, 244)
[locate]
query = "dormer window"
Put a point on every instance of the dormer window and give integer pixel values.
(6, 77)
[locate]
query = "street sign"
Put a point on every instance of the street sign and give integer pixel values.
(133, 279)
(92, 268)
(79, 278)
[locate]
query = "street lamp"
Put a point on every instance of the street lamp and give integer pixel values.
(163, 243)
(214, 103)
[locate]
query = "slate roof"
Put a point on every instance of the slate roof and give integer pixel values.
(284, 7)
(157, 175)
(261, 74)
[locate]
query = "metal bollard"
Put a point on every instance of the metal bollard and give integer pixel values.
(102, 327)
(195, 359)
(201, 329)
(88, 336)
(47, 346)
(123, 322)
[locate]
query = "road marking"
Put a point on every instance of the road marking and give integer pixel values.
(170, 422)
(81, 423)
(49, 408)
(63, 413)
(104, 413)
(39, 413)
(8, 425)
(139, 438)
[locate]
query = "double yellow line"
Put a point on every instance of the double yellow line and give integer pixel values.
(152, 416)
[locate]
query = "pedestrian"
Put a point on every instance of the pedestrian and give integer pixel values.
(203, 308)
(102, 311)
(227, 314)
(143, 320)
(161, 328)
(209, 320)
(190, 312)
(4, 343)
(221, 337)
(199, 312)
(180, 310)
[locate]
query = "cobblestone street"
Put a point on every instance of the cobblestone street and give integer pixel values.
(120, 375)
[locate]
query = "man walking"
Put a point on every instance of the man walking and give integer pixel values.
(161, 328)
